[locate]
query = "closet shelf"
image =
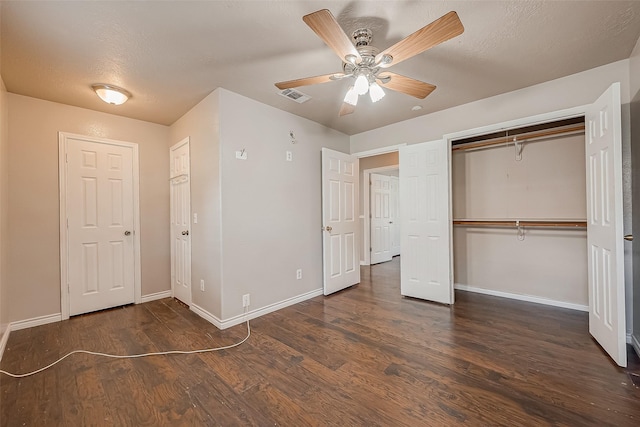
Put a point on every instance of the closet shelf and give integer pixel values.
(549, 223)
(517, 138)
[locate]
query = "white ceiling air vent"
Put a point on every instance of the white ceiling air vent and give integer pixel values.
(295, 95)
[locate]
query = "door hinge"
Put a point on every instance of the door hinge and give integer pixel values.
(370, 249)
(66, 157)
(68, 288)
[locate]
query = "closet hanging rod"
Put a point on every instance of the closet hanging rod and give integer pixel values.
(501, 140)
(526, 223)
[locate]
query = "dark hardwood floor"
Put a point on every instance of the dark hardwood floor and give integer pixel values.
(364, 356)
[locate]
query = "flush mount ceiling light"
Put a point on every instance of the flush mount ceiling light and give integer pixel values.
(111, 94)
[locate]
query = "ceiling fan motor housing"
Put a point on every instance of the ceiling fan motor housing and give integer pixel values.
(367, 65)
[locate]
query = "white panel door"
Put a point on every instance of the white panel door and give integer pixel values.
(604, 224)
(180, 205)
(380, 211)
(394, 217)
(426, 223)
(99, 198)
(340, 255)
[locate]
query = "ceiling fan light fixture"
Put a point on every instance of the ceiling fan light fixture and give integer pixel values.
(375, 92)
(361, 85)
(111, 94)
(351, 97)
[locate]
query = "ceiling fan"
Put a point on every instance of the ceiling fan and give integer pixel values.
(367, 65)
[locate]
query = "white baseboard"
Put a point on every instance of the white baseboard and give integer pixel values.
(155, 296)
(4, 339)
(527, 298)
(635, 343)
(252, 314)
(206, 315)
(35, 321)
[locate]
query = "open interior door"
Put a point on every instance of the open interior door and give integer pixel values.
(340, 249)
(425, 224)
(381, 222)
(604, 224)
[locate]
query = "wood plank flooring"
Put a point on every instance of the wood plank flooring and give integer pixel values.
(364, 356)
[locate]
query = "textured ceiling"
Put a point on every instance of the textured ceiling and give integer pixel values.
(170, 55)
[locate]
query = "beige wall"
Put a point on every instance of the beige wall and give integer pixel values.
(4, 183)
(271, 208)
(548, 183)
(33, 277)
(201, 125)
(571, 91)
(634, 73)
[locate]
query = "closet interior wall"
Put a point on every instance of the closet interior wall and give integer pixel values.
(547, 183)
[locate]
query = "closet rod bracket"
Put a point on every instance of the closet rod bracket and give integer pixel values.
(520, 231)
(518, 146)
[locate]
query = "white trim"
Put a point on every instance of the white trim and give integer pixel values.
(62, 175)
(635, 343)
(206, 315)
(4, 339)
(366, 204)
(377, 151)
(252, 314)
(525, 121)
(520, 297)
(155, 296)
(35, 321)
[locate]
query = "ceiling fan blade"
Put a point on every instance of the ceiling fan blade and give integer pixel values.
(347, 109)
(442, 29)
(309, 81)
(405, 85)
(327, 28)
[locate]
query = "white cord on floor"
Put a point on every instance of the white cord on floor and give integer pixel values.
(130, 356)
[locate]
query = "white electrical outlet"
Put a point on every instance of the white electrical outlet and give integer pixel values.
(202, 285)
(299, 274)
(289, 156)
(241, 155)
(195, 218)
(246, 301)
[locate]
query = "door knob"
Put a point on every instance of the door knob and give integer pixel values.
(328, 228)
(185, 233)
(127, 233)
(629, 237)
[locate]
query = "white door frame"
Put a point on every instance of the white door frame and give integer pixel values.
(363, 236)
(366, 204)
(64, 238)
(483, 130)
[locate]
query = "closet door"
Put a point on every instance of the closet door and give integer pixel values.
(426, 223)
(604, 224)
